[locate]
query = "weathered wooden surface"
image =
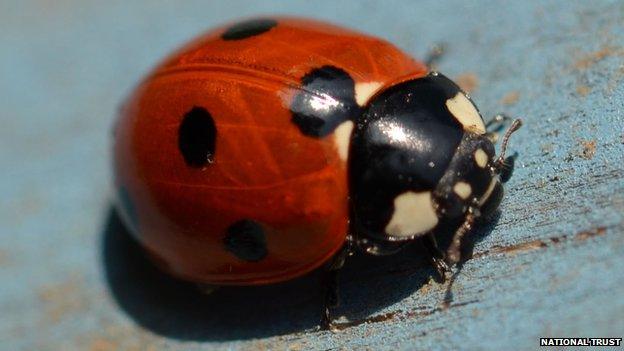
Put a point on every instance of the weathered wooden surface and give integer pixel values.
(550, 266)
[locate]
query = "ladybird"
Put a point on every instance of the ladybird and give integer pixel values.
(267, 148)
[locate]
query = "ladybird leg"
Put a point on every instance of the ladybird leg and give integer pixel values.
(453, 253)
(330, 299)
(330, 283)
(436, 52)
(435, 256)
(498, 122)
(496, 125)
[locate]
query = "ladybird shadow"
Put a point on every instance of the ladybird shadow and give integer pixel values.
(178, 310)
(371, 283)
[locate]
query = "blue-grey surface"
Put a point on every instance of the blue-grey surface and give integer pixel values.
(550, 266)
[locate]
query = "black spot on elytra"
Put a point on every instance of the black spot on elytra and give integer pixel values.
(249, 28)
(245, 239)
(127, 208)
(197, 137)
(326, 99)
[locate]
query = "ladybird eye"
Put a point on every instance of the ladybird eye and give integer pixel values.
(197, 137)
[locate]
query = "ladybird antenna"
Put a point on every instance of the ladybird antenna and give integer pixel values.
(453, 253)
(515, 125)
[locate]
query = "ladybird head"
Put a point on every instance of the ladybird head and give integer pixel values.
(420, 161)
(471, 181)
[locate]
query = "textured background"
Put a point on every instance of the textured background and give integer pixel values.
(550, 266)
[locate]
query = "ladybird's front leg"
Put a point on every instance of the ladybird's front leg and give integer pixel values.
(453, 252)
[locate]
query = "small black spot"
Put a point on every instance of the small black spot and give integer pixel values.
(245, 239)
(127, 208)
(197, 137)
(327, 98)
(249, 28)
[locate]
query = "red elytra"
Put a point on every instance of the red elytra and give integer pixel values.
(216, 180)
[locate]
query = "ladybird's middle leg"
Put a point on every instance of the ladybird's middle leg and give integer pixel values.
(330, 283)
(436, 256)
(435, 54)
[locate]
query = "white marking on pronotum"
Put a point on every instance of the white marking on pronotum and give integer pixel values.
(488, 191)
(413, 214)
(462, 189)
(342, 138)
(363, 91)
(465, 112)
(481, 158)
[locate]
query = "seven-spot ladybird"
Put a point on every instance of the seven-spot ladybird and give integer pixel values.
(268, 148)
